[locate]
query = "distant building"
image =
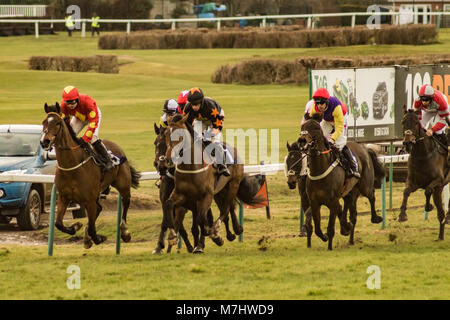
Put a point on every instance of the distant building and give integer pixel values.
(421, 10)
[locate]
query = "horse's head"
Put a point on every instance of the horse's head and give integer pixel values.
(177, 133)
(293, 164)
(160, 162)
(311, 136)
(411, 128)
(52, 126)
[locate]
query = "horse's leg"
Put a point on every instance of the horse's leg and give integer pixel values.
(168, 208)
(351, 203)
(406, 193)
(180, 213)
(233, 186)
(375, 218)
(315, 212)
(62, 204)
(345, 229)
(124, 233)
(203, 206)
(165, 190)
(91, 208)
(335, 210)
(308, 227)
(237, 228)
(219, 199)
(437, 198)
(428, 205)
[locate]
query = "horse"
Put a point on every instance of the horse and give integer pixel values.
(199, 183)
(327, 183)
(427, 167)
(79, 178)
(293, 164)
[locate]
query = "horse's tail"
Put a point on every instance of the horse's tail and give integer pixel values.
(379, 172)
(249, 187)
(135, 176)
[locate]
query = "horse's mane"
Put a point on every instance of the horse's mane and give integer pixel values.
(313, 125)
(189, 127)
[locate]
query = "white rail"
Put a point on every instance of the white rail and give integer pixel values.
(80, 24)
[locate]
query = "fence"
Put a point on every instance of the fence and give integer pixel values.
(255, 169)
(308, 17)
(22, 11)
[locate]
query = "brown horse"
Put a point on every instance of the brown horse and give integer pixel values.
(198, 182)
(327, 183)
(427, 167)
(80, 179)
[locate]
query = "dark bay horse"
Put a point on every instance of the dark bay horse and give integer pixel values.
(197, 182)
(326, 182)
(427, 167)
(79, 179)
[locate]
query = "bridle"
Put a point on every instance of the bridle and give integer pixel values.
(289, 172)
(58, 132)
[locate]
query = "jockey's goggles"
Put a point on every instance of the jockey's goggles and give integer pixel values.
(74, 101)
(196, 103)
(426, 98)
(320, 101)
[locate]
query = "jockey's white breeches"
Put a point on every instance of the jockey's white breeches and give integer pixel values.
(327, 128)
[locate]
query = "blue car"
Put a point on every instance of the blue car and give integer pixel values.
(20, 152)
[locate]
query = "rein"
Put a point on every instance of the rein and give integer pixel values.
(192, 171)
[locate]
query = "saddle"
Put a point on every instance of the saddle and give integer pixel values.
(99, 159)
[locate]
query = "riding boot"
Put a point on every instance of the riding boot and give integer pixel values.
(102, 151)
(221, 167)
(352, 163)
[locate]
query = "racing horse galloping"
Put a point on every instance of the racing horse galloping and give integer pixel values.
(326, 182)
(427, 167)
(80, 179)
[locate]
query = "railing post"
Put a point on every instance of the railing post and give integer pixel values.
(383, 202)
(36, 29)
(173, 25)
(241, 219)
(128, 27)
(51, 221)
(391, 174)
(264, 23)
(83, 29)
(308, 25)
(119, 218)
(218, 25)
(353, 20)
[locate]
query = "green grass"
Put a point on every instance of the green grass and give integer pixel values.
(279, 266)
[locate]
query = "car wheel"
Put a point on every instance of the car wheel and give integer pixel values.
(30, 216)
(79, 213)
(5, 219)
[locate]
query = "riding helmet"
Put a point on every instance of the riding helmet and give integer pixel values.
(195, 96)
(321, 93)
(70, 93)
(170, 106)
(182, 98)
(426, 91)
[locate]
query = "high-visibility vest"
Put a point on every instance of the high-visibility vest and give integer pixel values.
(69, 22)
(95, 23)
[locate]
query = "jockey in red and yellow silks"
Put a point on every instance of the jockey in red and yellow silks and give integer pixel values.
(84, 111)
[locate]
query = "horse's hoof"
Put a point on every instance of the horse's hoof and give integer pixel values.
(77, 226)
(344, 231)
(198, 250)
(402, 218)
(231, 237)
(218, 240)
(302, 234)
(88, 244)
(126, 237)
(100, 239)
(190, 249)
(239, 231)
(376, 219)
(157, 251)
(173, 241)
(324, 238)
(429, 208)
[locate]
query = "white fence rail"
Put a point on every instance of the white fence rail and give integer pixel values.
(22, 10)
(310, 18)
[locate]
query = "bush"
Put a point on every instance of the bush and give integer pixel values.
(98, 63)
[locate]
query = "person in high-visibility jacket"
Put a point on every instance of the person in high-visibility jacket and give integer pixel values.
(70, 25)
(95, 26)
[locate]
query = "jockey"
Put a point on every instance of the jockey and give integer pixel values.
(431, 103)
(209, 112)
(84, 111)
(334, 114)
(170, 108)
(182, 100)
